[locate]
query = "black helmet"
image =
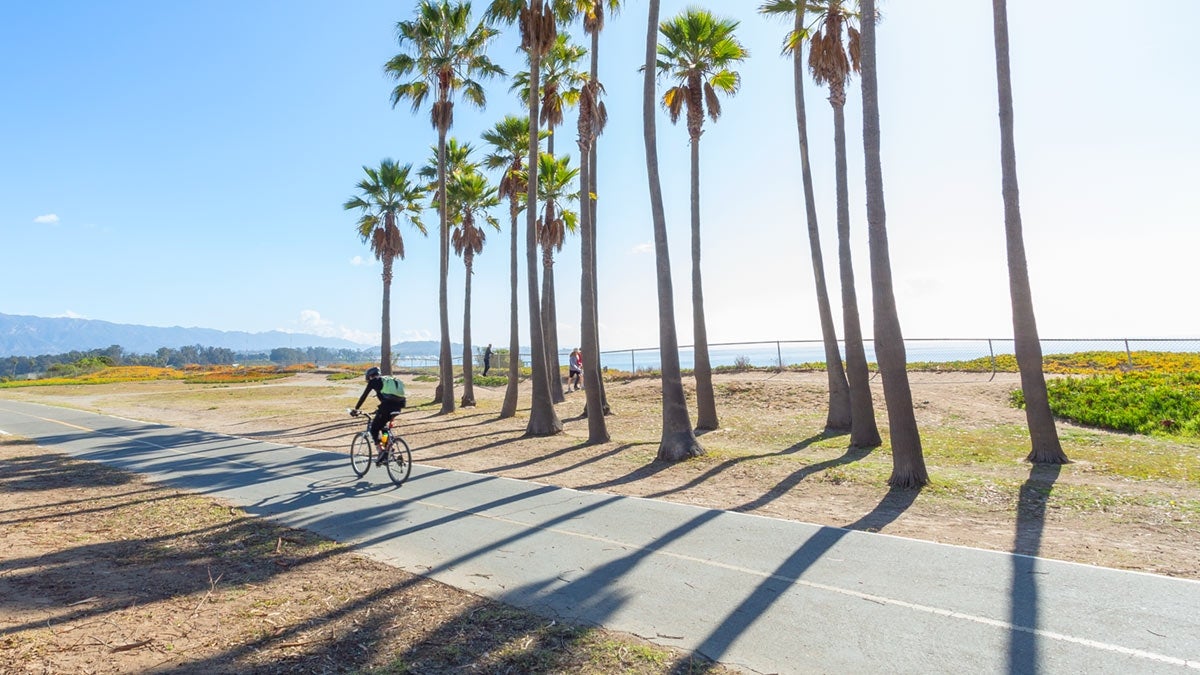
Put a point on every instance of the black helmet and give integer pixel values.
(372, 373)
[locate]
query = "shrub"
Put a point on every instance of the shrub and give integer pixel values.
(491, 381)
(1142, 403)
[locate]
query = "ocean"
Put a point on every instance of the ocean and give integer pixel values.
(771, 354)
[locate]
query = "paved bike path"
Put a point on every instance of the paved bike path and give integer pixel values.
(762, 594)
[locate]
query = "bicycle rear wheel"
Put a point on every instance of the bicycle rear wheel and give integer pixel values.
(361, 451)
(399, 461)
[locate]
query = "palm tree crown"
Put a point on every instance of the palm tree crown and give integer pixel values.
(458, 162)
(386, 194)
(443, 54)
(472, 198)
(561, 82)
(509, 141)
(592, 12)
(698, 51)
(555, 183)
(830, 59)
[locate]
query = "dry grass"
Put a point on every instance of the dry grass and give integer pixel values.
(313, 606)
(103, 572)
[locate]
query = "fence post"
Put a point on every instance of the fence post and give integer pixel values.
(992, 354)
(1128, 354)
(779, 353)
(632, 367)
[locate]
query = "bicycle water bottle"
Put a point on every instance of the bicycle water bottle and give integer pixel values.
(383, 438)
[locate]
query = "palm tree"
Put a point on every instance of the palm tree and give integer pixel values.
(831, 59)
(509, 140)
(442, 54)
(592, 118)
(1046, 448)
(561, 84)
(539, 29)
(838, 418)
(385, 194)
(678, 440)
(698, 53)
(908, 462)
(457, 162)
(472, 199)
(555, 182)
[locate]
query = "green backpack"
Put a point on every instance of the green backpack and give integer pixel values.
(392, 386)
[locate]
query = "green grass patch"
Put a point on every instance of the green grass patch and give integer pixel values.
(1140, 403)
(491, 381)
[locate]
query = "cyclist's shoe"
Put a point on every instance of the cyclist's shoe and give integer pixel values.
(382, 458)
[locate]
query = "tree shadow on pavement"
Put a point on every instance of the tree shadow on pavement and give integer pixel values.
(582, 446)
(717, 643)
(1027, 543)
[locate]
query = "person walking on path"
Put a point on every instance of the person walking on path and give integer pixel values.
(487, 359)
(575, 369)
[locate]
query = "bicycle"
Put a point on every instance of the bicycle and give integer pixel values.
(394, 454)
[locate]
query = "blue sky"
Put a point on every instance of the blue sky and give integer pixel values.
(185, 163)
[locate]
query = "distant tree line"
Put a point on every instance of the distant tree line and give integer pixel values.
(167, 357)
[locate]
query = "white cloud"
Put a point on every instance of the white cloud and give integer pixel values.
(47, 219)
(69, 315)
(647, 247)
(359, 261)
(412, 335)
(311, 322)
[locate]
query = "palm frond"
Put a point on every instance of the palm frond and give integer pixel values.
(673, 100)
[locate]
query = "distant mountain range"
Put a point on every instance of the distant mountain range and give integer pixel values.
(35, 335)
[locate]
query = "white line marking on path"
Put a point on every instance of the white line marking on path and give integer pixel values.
(949, 613)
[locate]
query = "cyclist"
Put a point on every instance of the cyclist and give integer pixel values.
(390, 392)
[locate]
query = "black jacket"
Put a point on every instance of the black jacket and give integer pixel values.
(376, 385)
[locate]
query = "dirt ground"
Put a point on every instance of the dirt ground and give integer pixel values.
(768, 458)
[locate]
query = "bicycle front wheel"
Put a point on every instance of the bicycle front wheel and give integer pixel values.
(360, 454)
(399, 461)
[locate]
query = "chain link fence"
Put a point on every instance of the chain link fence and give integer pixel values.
(975, 358)
(982, 356)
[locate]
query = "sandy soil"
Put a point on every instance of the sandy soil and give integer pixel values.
(769, 457)
(102, 572)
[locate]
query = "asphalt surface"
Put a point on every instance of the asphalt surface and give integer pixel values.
(760, 594)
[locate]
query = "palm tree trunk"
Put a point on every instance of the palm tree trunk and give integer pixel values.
(839, 417)
(445, 360)
(509, 407)
(706, 405)
(550, 326)
(863, 431)
(385, 348)
(550, 311)
(598, 380)
(593, 408)
(1046, 448)
(468, 398)
(908, 461)
(543, 421)
(678, 440)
